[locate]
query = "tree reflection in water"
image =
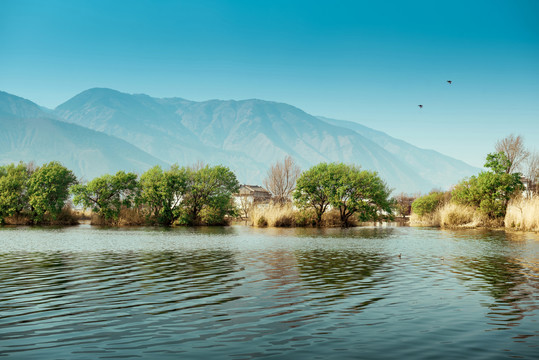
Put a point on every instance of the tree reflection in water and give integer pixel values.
(334, 275)
(506, 280)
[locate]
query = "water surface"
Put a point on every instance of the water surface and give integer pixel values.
(240, 293)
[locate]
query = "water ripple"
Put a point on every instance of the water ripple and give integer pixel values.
(242, 293)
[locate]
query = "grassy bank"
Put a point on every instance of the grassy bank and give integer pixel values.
(523, 214)
(275, 215)
(66, 217)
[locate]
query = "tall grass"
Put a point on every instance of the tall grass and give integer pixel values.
(273, 215)
(523, 214)
(127, 217)
(452, 215)
(429, 219)
(456, 215)
(66, 217)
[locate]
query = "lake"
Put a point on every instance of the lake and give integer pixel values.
(240, 293)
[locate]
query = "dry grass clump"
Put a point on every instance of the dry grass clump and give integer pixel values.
(128, 217)
(452, 215)
(523, 214)
(273, 215)
(131, 217)
(430, 219)
(18, 219)
(456, 215)
(66, 217)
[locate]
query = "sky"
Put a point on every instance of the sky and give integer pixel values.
(372, 62)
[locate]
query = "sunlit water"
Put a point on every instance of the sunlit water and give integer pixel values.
(240, 293)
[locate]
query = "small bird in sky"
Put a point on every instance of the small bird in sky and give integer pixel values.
(420, 106)
(449, 82)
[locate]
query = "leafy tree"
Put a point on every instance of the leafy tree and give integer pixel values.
(163, 191)
(208, 197)
(490, 191)
(107, 194)
(13, 189)
(344, 187)
(428, 203)
(48, 189)
(498, 163)
(313, 190)
(356, 191)
(403, 204)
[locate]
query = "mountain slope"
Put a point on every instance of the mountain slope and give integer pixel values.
(441, 169)
(246, 135)
(111, 130)
(26, 134)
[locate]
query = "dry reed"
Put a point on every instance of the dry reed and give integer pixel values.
(273, 215)
(430, 219)
(523, 214)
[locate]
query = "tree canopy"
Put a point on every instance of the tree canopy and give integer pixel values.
(107, 194)
(48, 189)
(208, 196)
(490, 191)
(344, 187)
(13, 189)
(163, 191)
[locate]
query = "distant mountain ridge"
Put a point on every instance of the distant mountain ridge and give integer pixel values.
(27, 133)
(250, 135)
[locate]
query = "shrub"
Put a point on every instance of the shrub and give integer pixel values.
(489, 192)
(427, 204)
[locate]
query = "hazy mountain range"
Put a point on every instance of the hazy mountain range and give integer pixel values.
(102, 130)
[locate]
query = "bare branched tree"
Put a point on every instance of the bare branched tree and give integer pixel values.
(532, 172)
(281, 179)
(513, 148)
(246, 206)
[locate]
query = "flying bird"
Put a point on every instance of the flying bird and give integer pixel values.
(449, 82)
(420, 106)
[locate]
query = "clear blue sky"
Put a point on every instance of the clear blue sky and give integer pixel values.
(367, 61)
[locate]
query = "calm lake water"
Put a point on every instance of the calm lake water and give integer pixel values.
(241, 293)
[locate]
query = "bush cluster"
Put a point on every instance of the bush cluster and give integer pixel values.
(481, 199)
(187, 195)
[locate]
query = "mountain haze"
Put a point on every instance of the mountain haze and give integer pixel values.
(441, 169)
(27, 133)
(249, 135)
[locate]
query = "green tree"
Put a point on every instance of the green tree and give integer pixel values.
(13, 189)
(490, 191)
(107, 194)
(208, 197)
(344, 187)
(428, 203)
(162, 193)
(357, 191)
(48, 190)
(313, 190)
(498, 163)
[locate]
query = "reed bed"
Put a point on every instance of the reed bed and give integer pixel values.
(273, 215)
(523, 214)
(452, 215)
(430, 219)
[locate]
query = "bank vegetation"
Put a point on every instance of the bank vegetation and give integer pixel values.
(502, 196)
